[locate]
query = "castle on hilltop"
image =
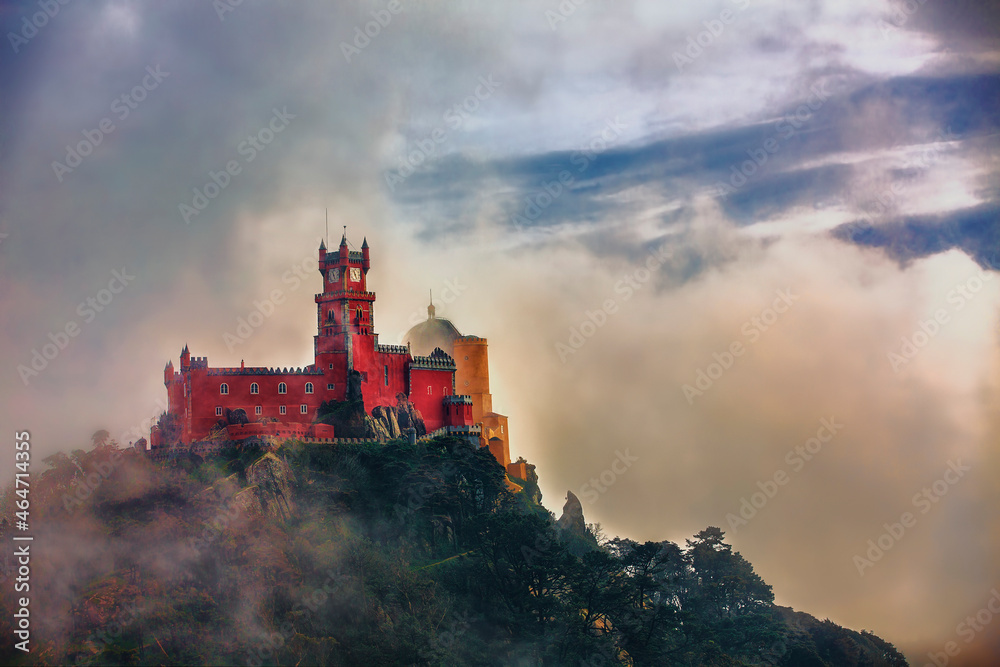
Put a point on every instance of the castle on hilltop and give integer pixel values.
(413, 386)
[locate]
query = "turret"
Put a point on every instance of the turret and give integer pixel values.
(343, 249)
(168, 373)
(366, 262)
(185, 358)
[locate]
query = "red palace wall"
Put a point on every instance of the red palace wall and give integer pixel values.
(345, 340)
(429, 387)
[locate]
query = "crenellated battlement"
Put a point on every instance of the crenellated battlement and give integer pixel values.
(392, 349)
(308, 370)
(437, 359)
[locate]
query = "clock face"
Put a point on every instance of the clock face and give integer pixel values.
(333, 276)
(355, 274)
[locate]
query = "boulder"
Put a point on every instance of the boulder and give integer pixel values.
(272, 480)
(572, 516)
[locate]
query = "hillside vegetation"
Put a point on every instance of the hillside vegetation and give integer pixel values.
(387, 554)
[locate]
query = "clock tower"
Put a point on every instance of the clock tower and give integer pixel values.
(344, 312)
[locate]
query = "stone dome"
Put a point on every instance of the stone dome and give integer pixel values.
(434, 332)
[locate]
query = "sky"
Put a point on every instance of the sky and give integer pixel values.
(737, 261)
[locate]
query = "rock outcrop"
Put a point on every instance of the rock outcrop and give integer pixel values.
(408, 416)
(271, 481)
(572, 516)
(388, 422)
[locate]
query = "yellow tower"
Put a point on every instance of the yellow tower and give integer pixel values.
(472, 377)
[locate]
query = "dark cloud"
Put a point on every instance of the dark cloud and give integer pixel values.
(975, 231)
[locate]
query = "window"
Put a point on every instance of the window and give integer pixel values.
(223, 388)
(281, 410)
(466, 357)
(218, 411)
(329, 387)
(309, 387)
(282, 388)
(429, 391)
(331, 367)
(256, 410)
(254, 389)
(501, 428)
(387, 375)
(444, 391)
(303, 408)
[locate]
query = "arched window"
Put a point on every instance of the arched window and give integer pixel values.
(223, 388)
(303, 408)
(281, 410)
(282, 388)
(429, 391)
(254, 389)
(309, 387)
(444, 391)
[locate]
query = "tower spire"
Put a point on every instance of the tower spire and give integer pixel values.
(430, 306)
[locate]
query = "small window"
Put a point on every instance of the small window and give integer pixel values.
(254, 388)
(466, 357)
(444, 391)
(429, 391)
(331, 367)
(223, 388)
(281, 410)
(501, 428)
(303, 408)
(329, 387)
(309, 387)
(256, 410)
(387, 375)
(218, 411)
(282, 388)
